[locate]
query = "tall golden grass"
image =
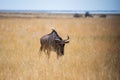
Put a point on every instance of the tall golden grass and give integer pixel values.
(92, 54)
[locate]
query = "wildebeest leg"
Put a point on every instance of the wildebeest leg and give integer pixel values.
(48, 53)
(57, 56)
(40, 50)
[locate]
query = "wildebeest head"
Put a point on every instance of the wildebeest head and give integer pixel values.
(60, 45)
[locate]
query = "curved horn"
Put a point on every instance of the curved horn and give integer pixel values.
(67, 38)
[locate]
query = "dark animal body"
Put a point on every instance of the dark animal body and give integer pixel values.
(53, 42)
(87, 14)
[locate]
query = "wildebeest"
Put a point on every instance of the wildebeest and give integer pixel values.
(87, 14)
(53, 42)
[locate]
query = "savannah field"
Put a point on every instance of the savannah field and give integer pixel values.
(92, 54)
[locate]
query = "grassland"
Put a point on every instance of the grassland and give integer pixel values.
(92, 54)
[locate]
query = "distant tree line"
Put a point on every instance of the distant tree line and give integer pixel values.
(87, 14)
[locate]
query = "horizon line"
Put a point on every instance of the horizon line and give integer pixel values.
(62, 11)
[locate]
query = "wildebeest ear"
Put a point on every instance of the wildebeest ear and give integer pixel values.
(57, 40)
(66, 41)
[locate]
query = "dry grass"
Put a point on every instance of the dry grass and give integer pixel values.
(92, 54)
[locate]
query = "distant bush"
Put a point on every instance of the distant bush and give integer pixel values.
(76, 15)
(103, 15)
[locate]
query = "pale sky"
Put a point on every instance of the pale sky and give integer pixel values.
(59, 4)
